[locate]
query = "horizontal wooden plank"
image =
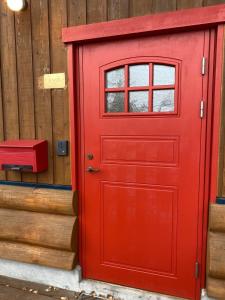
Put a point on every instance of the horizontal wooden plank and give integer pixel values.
(15, 294)
(217, 217)
(215, 288)
(195, 17)
(38, 255)
(41, 288)
(38, 200)
(38, 229)
(216, 255)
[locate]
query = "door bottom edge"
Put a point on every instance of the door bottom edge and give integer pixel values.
(74, 281)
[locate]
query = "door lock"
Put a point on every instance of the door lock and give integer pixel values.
(90, 156)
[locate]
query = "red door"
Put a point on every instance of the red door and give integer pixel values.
(141, 133)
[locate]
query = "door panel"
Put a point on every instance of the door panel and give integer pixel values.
(140, 120)
(131, 212)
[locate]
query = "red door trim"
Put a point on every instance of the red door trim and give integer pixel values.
(184, 19)
(72, 104)
(210, 17)
(217, 96)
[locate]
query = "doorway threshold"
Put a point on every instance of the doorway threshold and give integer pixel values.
(72, 280)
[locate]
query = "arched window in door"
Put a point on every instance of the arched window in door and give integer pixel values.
(141, 88)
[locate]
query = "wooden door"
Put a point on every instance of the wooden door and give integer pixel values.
(140, 156)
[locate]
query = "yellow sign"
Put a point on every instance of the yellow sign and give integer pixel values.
(54, 81)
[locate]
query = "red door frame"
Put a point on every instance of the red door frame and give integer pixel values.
(212, 17)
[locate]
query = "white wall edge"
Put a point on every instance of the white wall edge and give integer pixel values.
(71, 280)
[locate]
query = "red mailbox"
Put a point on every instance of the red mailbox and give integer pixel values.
(24, 155)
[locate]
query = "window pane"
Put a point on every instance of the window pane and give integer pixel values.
(163, 75)
(139, 75)
(138, 101)
(115, 78)
(163, 100)
(115, 102)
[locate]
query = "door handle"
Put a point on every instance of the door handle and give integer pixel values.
(90, 169)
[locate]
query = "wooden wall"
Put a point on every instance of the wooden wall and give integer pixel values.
(216, 252)
(30, 46)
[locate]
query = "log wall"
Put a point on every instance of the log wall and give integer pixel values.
(216, 252)
(30, 44)
(38, 226)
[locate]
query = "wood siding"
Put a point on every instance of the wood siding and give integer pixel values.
(31, 46)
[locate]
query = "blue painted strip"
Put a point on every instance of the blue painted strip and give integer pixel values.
(37, 185)
(220, 200)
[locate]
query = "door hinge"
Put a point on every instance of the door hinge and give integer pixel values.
(201, 109)
(203, 65)
(197, 269)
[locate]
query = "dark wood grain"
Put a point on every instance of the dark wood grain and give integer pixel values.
(42, 289)
(25, 82)
(117, 9)
(96, 11)
(77, 12)
(163, 5)
(41, 65)
(213, 2)
(2, 173)
(182, 4)
(15, 294)
(60, 107)
(9, 78)
(140, 8)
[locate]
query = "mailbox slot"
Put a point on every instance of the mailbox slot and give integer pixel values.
(22, 168)
(24, 155)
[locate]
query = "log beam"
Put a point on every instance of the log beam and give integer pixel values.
(215, 283)
(45, 230)
(216, 288)
(38, 200)
(216, 255)
(38, 255)
(217, 217)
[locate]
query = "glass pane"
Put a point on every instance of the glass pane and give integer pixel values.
(138, 101)
(115, 102)
(139, 75)
(163, 100)
(163, 75)
(115, 78)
